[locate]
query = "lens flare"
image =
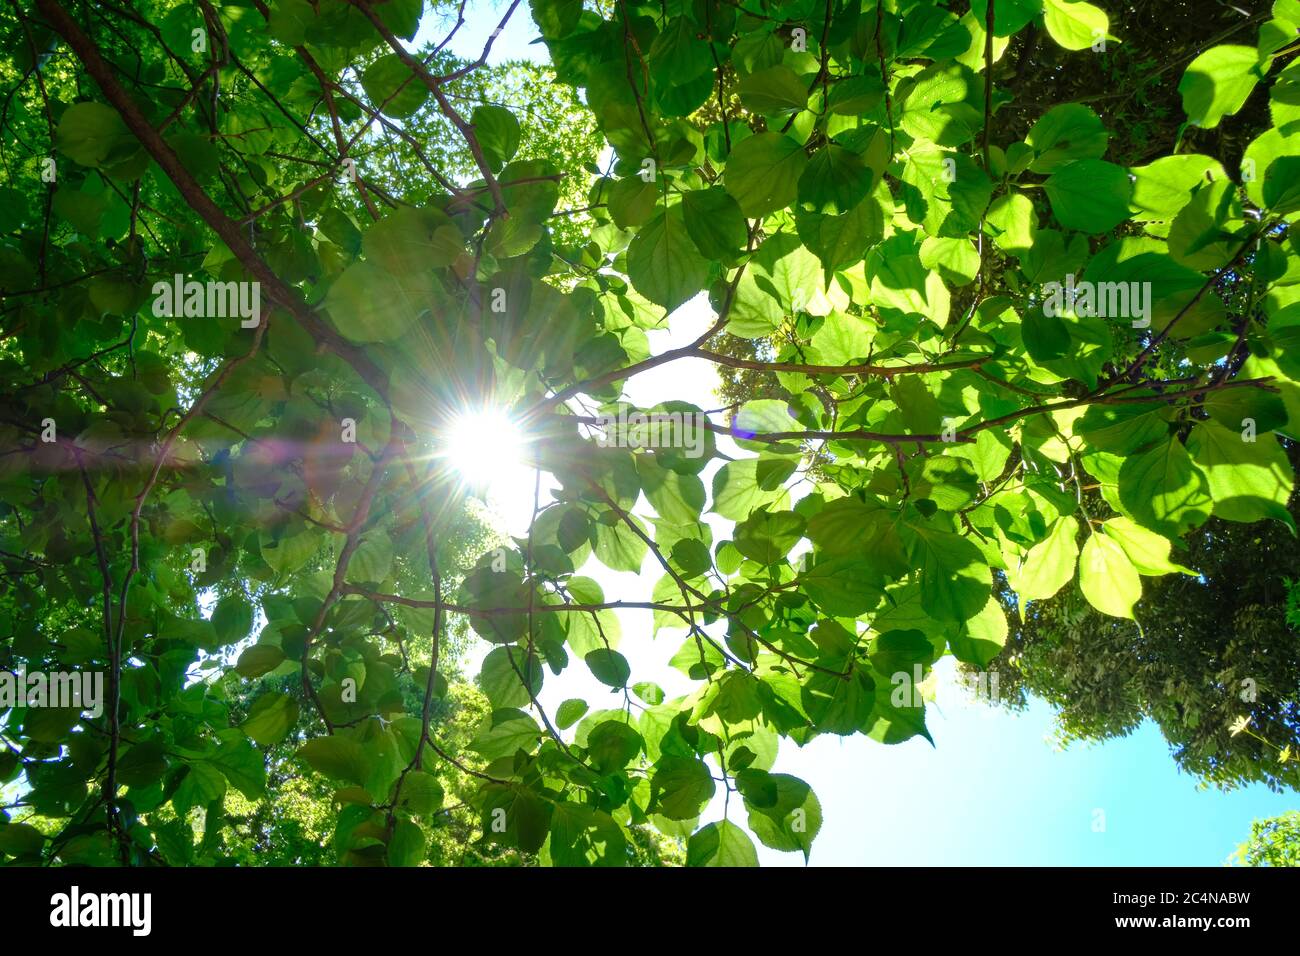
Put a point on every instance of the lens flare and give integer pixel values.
(486, 448)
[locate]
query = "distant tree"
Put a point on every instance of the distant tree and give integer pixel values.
(1273, 842)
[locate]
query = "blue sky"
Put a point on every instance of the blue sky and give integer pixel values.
(994, 790)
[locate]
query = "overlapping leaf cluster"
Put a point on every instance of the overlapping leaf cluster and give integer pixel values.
(826, 173)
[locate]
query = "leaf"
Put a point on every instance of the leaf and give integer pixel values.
(581, 836)
(410, 240)
(232, 618)
(681, 786)
(1064, 134)
(838, 703)
(1248, 480)
(982, 637)
(1089, 195)
(715, 223)
(1148, 551)
(259, 659)
(720, 844)
(1009, 16)
(776, 90)
(90, 133)
(856, 95)
(834, 182)
(507, 675)
(242, 764)
(422, 794)
(1074, 24)
(1049, 564)
(407, 846)
(609, 667)
(21, 839)
(201, 784)
(1164, 490)
(570, 712)
(842, 587)
(763, 173)
(394, 87)
(369, 304)
(955, 577)
(1218, 82)
(767, 537)
(618, 548)
(1107, 577)
(612, 745)
(270, 718)
(508, 732)
(372, 560)
(663, 263)
(498, 134)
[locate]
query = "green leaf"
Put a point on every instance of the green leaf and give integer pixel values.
(410, 240)
(1148, 551)
(982, 637)
(856, 95)
(498, 133)
(270, 718)
(504, 673)
(1248, 479)
(612, 745)
(581, 836)
(258, 660)
(372, 560)
(955, 577)
(775, 91)
(508, 731)
(1217, 83)
(232, 618)
(767, 537)
(1064, 134)
(842, 587)
(721, 844)
(834, 182)
(393, 87)
(1164, 490)
(570, 712)
(838, 702)
(1107, 577)
(714, 223)
(763, 173)
(91, 133)
(1074, 24)
(681, 786)
(408, 844)
(609, 667)
(1089, 195)
(370, 304)
(663, 263)
(1049, 564)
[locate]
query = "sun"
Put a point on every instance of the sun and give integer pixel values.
(486, 448)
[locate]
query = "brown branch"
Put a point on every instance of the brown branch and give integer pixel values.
(226, 228)
(434, 85)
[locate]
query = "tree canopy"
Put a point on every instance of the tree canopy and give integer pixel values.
(259, 253)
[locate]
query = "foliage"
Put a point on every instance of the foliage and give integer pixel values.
(1273, 842)
(1215, 663)
(830, 175)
